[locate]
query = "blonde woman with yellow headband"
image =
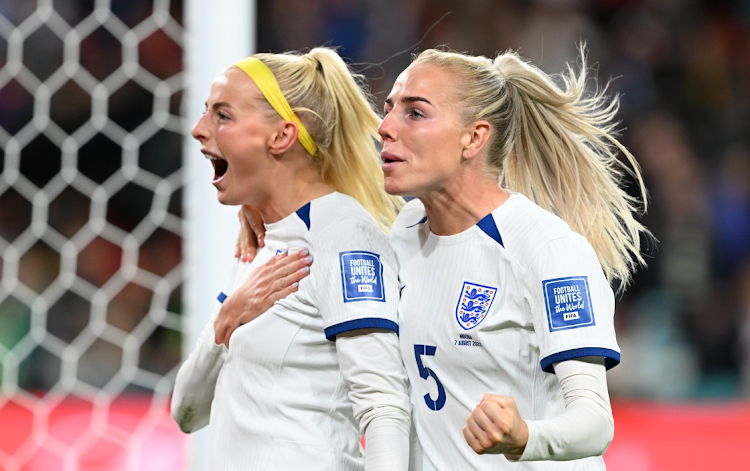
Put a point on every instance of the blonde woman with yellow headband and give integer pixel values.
(295, 365)
(507, 254)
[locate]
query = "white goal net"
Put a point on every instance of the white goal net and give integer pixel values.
(96, 251)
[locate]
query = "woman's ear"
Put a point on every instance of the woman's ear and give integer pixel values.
(476, 137)
(283, 137)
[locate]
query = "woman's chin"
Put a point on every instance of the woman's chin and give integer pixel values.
(392, 187)
(222, 194)
(225, 199)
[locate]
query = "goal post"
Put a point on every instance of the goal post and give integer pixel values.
(218, 34)
(113, 245)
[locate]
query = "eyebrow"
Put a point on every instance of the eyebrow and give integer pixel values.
(218, 105)
(409, 99)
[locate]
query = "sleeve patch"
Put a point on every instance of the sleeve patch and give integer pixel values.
(568, 303)
(361, 276)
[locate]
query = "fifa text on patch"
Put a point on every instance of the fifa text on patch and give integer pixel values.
(568, 303)
(361, 276)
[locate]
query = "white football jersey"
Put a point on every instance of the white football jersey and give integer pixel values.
(490, 310)
(280, 400)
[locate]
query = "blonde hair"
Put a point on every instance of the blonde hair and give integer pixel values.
(337, 109)
(555, 146)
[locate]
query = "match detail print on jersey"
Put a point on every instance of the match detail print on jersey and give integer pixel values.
(361, 276)
(474, 304)
(568, 303)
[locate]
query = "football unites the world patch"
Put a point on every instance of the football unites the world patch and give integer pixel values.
(474, 304)
(568, 303)
(361, 276)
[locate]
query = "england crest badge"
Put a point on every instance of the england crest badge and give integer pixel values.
(474, 304)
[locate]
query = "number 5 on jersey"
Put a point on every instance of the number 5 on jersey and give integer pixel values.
(424, 373)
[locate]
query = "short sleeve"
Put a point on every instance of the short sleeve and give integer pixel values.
(571, 302)
(356, 277)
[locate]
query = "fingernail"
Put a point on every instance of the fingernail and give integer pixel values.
(310, 259)
(304, 252)
(305, 269)
(295, 285)
(261, 243)
(243, 258)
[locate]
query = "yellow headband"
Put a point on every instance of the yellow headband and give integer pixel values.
(269, 87)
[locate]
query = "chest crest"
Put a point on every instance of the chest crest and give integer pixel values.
(473, 304)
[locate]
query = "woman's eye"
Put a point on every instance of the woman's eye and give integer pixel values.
(415, 114)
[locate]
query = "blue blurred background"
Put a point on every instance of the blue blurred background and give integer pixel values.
(682, 69)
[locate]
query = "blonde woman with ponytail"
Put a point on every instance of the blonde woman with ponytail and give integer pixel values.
(506, 255)
(296, 364)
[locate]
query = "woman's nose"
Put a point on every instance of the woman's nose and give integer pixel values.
(198, 131)
(386, 128)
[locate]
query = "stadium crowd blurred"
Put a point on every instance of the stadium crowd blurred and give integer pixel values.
(682, 68)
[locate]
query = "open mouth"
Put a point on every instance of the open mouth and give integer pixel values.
(220, 168)
(388, 158)
(219, 164)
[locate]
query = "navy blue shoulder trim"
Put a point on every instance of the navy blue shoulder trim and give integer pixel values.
(304, 214)
(366, 323)
(420, 222)
(487, 224)
(611, 357)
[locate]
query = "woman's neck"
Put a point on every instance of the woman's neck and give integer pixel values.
(457, 207)
(291, 188)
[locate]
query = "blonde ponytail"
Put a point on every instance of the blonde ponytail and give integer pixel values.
(557, 147)
(337, 110)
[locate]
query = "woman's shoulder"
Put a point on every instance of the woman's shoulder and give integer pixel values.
(526, 227)
(340, 212)
(524, 216)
